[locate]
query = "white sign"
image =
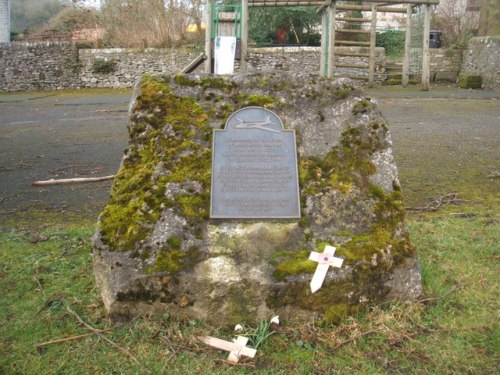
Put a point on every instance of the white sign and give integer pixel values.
(224, 52)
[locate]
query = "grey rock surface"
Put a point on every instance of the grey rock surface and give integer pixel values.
(174, 258)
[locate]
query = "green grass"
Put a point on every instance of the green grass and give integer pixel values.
(452, 329)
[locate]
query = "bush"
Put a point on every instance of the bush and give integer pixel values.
(103, 66)
(393, 41)
(469, 82)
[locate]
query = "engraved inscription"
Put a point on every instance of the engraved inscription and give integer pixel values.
(254, 169)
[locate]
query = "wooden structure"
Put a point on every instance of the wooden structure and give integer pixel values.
(332, 35)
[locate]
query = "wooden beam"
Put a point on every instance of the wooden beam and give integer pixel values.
(208, 37)
(351, 19)
(371, 60)
(244, 36)
(322, 72)
(351, 66)
(367, 8)
(352, 43)
(331, 41)
(426, 57)
(405, 76)
(283, 3)
(353, 54)
(352, 31)
(324, 4)
(363, 78)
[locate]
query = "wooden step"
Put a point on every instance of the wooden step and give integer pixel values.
(353, 54)
(349, 19)
(351, 43)
(362, 78)
(353, 31)
(351, 66)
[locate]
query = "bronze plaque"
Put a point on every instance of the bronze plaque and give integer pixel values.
(254, 168)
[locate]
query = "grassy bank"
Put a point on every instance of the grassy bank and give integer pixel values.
(47, 286)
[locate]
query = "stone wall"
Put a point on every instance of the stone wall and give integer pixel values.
(38, 66)
(130, 64)
(307, 59)
(445, 64)
(482, 57)
(45, 66)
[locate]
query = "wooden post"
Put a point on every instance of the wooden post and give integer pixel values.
(373, 36)
(208, 37)
(331, 40)
(406, 61)
(324, 25)
(426, 57)
(244, 36)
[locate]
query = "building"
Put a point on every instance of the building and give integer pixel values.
(4, 21)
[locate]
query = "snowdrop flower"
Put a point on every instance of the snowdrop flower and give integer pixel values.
(275, 319)
(238, 328)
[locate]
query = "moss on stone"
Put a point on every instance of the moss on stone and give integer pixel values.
(363, 106)
(345, 165)
(205, 82)
(172, 131)
(294, 264)
(244, 100)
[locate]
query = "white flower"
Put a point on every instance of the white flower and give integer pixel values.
(275, 319)
(238, 328)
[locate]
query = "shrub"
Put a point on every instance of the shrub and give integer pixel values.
(103, 66)
(393, 41)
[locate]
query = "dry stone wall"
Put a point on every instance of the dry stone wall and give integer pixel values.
(47, 66)
(307, 60)
(130, 64)
(482, 57)
(445, 64)
(38, 66)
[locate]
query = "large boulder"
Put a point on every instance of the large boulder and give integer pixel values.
(156, 248)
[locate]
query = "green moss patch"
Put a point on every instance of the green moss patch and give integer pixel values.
(167, 132)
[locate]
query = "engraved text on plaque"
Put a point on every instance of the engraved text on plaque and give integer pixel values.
(254, 168)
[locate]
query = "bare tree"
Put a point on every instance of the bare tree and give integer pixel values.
(149, 23)
(457, 22)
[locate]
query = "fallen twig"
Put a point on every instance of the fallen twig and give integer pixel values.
(66, 339)
(437, 203)
(100, 335)
(7, 197)
(72, 180)
(243, 364)
(354, 338)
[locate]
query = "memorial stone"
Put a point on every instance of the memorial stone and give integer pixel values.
(204, 217)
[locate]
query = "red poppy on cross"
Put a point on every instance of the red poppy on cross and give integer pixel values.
(325, 260)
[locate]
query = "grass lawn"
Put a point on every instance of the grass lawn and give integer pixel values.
(48, 287)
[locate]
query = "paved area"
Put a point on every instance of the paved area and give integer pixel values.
(444, 139)
(59, 135)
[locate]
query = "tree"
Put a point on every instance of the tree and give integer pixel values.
(29, 15)
(456, 22)
(284, 25)
(149, 23)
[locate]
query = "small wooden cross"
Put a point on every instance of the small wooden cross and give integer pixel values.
(236, 349)
(325, 260)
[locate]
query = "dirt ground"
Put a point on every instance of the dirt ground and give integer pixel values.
(445, 141)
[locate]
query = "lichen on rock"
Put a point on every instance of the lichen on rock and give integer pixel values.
(173, 257)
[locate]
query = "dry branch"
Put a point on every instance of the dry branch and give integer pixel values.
(72, 180)
(98, 333)
(66, 339)
(437, 203)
